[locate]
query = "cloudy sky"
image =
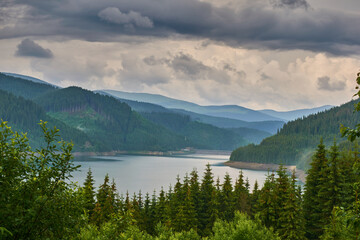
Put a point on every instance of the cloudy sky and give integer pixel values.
(279, 54)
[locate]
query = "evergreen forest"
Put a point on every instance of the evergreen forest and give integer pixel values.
(38, 200)
(296, 141)
(101, 123)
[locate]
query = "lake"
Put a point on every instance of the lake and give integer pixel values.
(148, 173)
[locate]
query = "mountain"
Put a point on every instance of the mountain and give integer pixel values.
(252, 132)
(36, 80)
(264, 126)
(203, 136)
(23, 87)
(226, 111)
(295, 114)
(139, 106)
(111, 122)
(24, 115)
(298, 138)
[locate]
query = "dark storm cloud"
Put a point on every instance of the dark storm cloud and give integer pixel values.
(28, 48)
(256, 25)
(325, 84)
(290, 3)
(114, 15)
(185, 66)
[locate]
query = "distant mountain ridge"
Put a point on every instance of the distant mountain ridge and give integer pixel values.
(295, 114)
(226, 111)
(36, 80)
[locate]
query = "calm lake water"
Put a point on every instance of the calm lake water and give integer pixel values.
(148, 173)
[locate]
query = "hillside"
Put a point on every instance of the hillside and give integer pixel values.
(251, 132)
(24, 115)
(298, 138)
(109, 121)
(111, 124)
(36, 80)
(24, 88)
(203, 136)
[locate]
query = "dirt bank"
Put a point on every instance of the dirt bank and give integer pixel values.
(300, 174)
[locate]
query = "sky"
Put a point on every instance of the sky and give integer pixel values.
(260, 54)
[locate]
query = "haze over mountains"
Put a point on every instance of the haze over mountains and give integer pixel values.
(107, 120)
(225, 111)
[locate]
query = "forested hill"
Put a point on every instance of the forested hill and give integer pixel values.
(201, 135)
(298, 138)
(109, 121)
(25, 88)
(24, 116)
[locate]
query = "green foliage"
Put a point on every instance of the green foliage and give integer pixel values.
(89, 193)
(298, 137)
(338, 229)
(24, 114)
(242, 228)
(112, 123)
(36, 202)
(199, 135)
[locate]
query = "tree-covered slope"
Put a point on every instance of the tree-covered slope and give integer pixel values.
(108, 121)
(24, 88)
(252, 132)
(299, 137)
(200, 135)
(24, 115)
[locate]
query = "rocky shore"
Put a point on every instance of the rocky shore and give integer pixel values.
(300, 174)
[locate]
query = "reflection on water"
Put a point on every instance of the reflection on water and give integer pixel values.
(149, 173)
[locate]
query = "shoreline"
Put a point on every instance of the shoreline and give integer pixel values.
(154, 153)
(300, 174)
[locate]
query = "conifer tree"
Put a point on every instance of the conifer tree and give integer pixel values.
(89, 193)
(227, 199)
(136, 209)
(312, 203)
(266, 204)
(162, 209)
(242, 195)
(330, 193)
(147, 216)
(281, 197)
(195, 193)
(206, 214)
(254, 199)
(291, 216)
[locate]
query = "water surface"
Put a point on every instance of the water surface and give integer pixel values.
(148, 173)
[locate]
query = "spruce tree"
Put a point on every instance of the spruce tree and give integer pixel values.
(291, 216)
(266, 204)
(206, 214)
(89, 193)
(195, 193)
(227, 199)
(330, 193)
(312, 203)
(254, 199)
(242, 195)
